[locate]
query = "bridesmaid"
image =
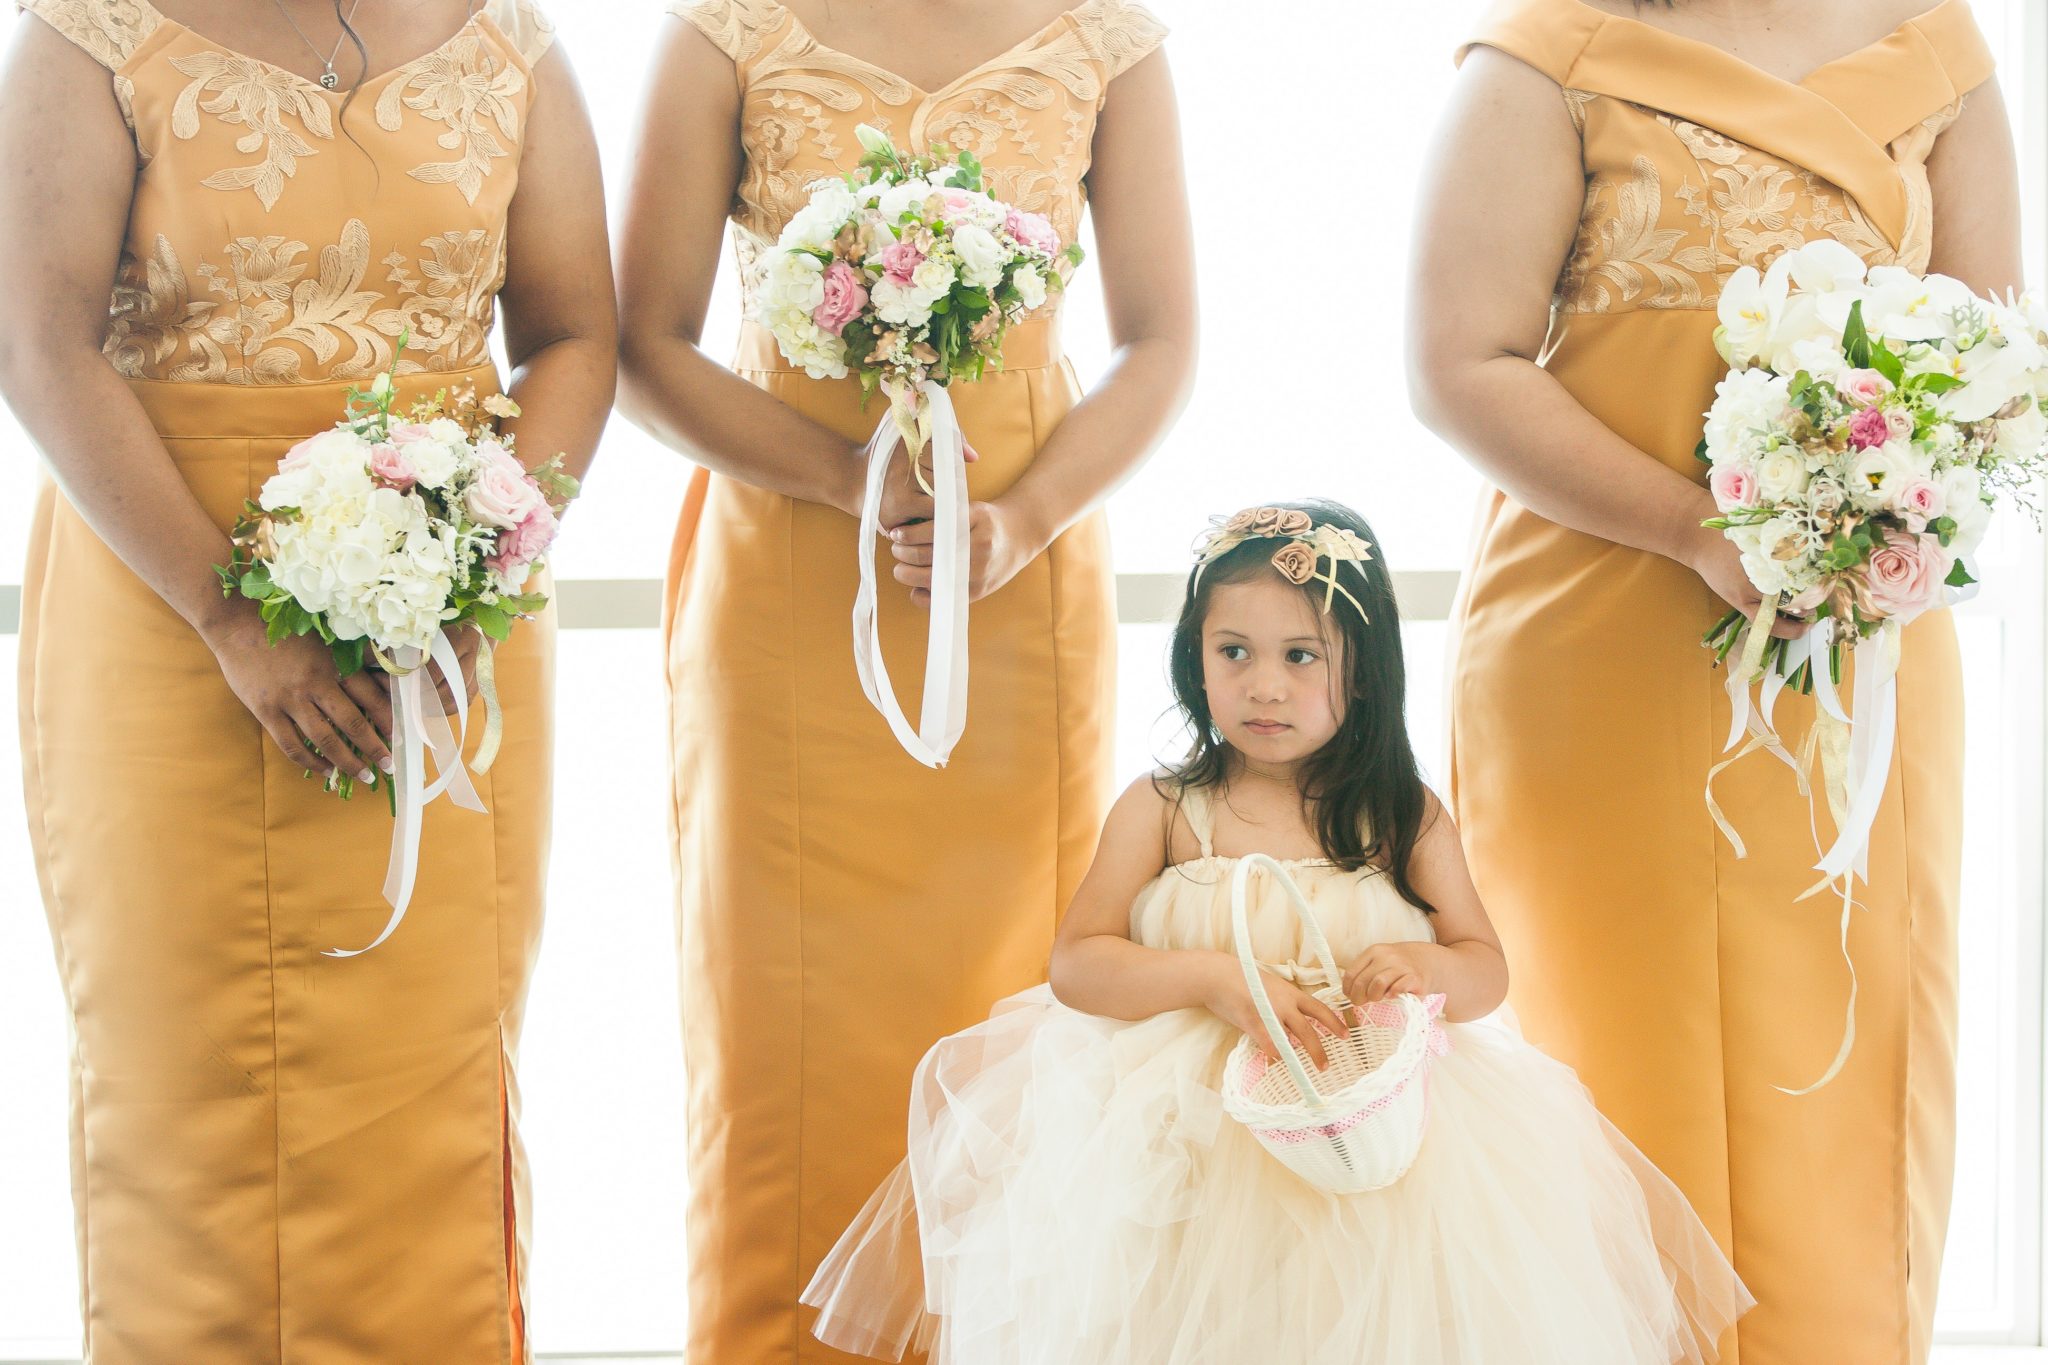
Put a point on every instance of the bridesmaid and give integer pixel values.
(278, 1155)
(1603, 169)
(842, 907)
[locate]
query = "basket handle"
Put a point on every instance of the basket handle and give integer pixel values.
(1240, 929)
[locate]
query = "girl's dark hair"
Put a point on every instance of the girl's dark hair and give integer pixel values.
(362, 57)
(1363, 790)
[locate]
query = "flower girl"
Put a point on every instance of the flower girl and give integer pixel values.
(1080, 1189)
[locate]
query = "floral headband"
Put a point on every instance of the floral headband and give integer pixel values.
(1300, 560)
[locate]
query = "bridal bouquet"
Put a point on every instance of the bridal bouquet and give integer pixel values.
(907, 273)
(382, 536)
(1869, 423)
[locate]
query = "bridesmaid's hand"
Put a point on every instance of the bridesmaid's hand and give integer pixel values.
(903, 500)
(469, 641)
(998, 548)
(1303, 1018)
(319, 720)
(1715, 559)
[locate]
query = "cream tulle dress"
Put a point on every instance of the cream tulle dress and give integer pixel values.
(1075, 1195)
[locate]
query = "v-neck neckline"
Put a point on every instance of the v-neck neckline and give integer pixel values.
(920, 93)
(1715, 52)
(476, 19)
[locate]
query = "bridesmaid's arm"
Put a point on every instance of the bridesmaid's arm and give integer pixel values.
(561, 319)
(69, 176)
(1499, 209)
(1976, 182)
(1146, 257)
(686, 172)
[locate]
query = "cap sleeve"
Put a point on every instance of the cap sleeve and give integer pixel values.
(1119, 34)
(523, 21)
(735, 27)
(111, 30)
(1951, 31)
(1545, 34)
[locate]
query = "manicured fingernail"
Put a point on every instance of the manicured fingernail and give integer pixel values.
(385, 763)
(366, 777)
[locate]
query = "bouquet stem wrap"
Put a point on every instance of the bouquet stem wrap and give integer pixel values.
(943, 715)
(419, 725)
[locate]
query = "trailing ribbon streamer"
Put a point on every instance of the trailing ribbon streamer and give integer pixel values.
(418, 725)
(943, 716)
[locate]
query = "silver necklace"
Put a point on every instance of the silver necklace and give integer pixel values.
(328, 80)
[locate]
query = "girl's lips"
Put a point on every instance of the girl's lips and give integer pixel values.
(1266, 727)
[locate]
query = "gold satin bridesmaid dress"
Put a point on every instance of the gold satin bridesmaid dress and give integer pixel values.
(1685, 985)
(279, 1156)
(841, 906)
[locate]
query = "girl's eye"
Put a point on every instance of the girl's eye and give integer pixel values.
(1235, 653)
(1301, 656)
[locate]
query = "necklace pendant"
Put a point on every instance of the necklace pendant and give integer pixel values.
(328, 80)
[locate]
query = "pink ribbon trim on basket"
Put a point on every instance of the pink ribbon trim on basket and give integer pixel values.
(1382, 1014)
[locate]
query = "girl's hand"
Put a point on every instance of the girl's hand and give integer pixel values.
(1302, 1017)
(998, 548)
(1390, 969)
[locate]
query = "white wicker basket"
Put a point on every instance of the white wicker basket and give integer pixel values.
(1357, 1124)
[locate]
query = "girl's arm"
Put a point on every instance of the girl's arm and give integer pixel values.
(1499, 210)
(1096, 967)
(1465, 965)
(1145, 250)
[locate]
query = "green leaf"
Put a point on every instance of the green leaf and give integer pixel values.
(1699, 452)
(1934, 383)
(348, 656)
(1958, 576)
(492, 621)
(1885, 363)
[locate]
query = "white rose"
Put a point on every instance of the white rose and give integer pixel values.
(818, 222)
(2021, 438)
(1029, 282)
(933, 280)
(981, 257)
(1780, 473)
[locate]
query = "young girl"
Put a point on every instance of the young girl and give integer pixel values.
(1074, 1192)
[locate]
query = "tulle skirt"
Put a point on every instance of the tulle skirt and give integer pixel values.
(1075, 1195)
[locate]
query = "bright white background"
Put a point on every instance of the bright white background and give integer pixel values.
(1322, 92)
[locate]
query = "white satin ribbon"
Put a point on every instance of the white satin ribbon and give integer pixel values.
(420, 725)
(943, 715)
(1871, 733)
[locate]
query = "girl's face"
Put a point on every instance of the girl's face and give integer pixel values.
(1271, 670)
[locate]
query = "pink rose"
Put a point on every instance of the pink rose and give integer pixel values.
(1734, 485)
(845, 296)
(1864, 387)
(520, 545)
(1904, 578)
(1920, 502)
(900, 261)
(389, 467)
(1869, 428)
(502, 496)
(1900, 421)
(410, 431)
(1033, 230)
(955, 204)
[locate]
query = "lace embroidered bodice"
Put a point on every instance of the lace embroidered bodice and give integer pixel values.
(282, 233)
(1028, 113)
(1698, 163)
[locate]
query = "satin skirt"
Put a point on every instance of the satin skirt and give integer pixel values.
(842, 907)
(277, 1156)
